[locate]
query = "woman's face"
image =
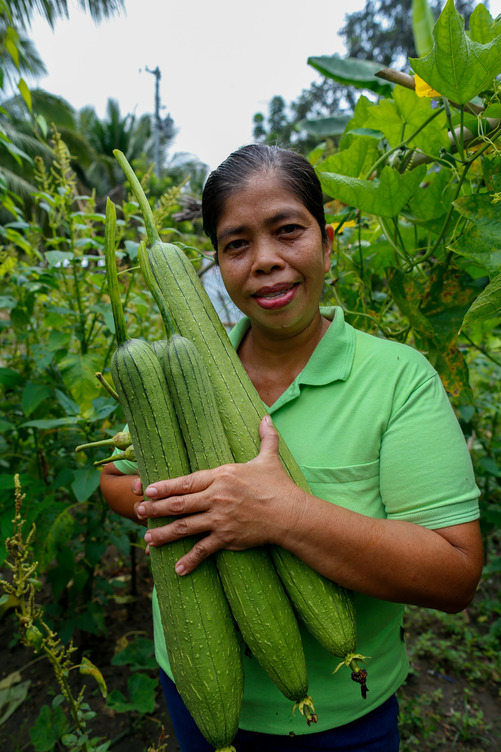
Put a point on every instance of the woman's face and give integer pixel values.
(271, 256)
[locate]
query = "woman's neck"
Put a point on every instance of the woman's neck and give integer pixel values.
(273, 361)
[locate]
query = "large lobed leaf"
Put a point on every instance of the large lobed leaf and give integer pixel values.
(482, 242)
(403, 115)
(383, 197)
(458, 67)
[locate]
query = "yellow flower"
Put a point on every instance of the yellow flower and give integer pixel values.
(423, 89)
(348, 223)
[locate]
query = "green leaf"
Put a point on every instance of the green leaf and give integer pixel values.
(131, 246)
(33, 395)
(69, 406)
(138, 654)
(483, 28)
(16, 152)
(324, 127)
(79, 376)
(422, 26)
(58, 340)
(60, 575)
(9, 377)
(101, 408)
(434, 200)
(142, 691)
(25, 93)
(87, 668)
(486, 306)
(385, 197)
(85, 483)
(355, 161)
(57, 258)
(5, 425)
(11, 42)
(352, 72)
(482, 243)
(458, 67)
(400, 117)
(49, 423)
(57, 536)
(489, 465)
(48, 729)
(11, 698)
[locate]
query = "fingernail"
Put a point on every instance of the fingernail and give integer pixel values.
(151, 491)
(268, 420)
(180, 568)
(141, 509)
(147, 537)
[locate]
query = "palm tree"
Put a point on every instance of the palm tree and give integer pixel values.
(19, 135)
(29, 62)
(22, 11)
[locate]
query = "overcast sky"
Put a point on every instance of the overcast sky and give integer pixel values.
(221, 61)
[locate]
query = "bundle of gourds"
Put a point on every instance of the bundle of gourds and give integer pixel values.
(190, 405)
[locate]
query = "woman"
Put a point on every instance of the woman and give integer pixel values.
(393, 512)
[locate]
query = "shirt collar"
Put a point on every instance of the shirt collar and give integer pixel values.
(332, 358)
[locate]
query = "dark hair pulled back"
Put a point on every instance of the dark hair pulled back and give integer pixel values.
(296, 173)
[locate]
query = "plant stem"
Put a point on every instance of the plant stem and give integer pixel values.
(481, 349)
(111, 273)
(140, 195)
(384, 157)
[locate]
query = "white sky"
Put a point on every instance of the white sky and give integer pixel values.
(221, 61)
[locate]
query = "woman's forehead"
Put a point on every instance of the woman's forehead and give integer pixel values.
(261, 189)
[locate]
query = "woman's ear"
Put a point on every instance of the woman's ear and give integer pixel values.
(328, 247)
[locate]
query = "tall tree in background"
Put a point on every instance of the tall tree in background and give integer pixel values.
(383, 29)
(382, 32)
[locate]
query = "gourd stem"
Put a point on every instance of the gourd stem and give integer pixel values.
(150, 280)
(99, 376)
(140, 195)
(120, 440)
(94, 445)
(111, 273)
(113, 458)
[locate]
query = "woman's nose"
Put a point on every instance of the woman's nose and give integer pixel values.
(266, 257)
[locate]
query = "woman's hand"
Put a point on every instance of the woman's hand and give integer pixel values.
(235, 506)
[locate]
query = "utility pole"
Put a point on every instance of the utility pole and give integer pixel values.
(156, 122)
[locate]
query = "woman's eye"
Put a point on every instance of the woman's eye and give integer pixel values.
(289, 229)
(234, 245)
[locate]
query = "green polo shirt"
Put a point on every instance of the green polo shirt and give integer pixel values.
(371, 426)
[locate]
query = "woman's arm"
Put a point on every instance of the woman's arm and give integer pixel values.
(117, 490)
(244, 505)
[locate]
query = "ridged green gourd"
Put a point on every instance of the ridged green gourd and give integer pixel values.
(326, 609)
(200, 634)
(255, 593)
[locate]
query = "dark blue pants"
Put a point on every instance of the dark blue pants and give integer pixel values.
(375, 732)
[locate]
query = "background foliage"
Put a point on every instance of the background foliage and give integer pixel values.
(411, 170)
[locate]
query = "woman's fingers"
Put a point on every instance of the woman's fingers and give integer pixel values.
(199, 552)
(185, 528)
(185, 484)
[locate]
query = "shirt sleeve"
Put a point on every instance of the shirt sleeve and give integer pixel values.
(426, 474)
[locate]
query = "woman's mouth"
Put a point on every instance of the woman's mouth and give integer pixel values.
(275, 296)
